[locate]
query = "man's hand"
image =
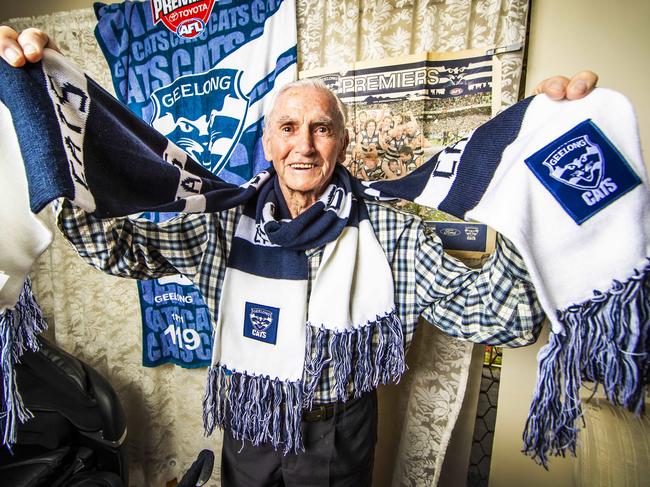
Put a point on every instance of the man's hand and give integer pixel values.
(560, 87)
(17, 49)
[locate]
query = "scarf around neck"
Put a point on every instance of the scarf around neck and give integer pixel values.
(274, 336)
(562, 180)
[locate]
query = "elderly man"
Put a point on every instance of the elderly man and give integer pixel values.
(327, 289)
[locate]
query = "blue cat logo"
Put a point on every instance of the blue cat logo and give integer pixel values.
(261, 318)
(261, 322)
(572, 168)
(332, 81)
(203, 114)
(577, 163)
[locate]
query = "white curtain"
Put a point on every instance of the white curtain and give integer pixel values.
(97, 317)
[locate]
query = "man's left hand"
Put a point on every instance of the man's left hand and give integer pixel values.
(561, 87)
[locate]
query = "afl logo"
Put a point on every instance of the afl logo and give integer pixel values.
(190, 28)
(456, 90)
(187, 20)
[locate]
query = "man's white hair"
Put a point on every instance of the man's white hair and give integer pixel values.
(317, 83)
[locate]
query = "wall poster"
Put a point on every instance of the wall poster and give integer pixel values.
(402, 111)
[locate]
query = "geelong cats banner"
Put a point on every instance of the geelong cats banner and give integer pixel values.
(207, 93)
(404, 110)
(201, 73)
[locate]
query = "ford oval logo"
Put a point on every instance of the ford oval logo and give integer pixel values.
(450, 232)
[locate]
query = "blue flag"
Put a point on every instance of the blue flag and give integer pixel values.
(207, 94)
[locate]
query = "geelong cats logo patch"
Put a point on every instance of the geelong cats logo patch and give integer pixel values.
(583, 171)
(261, 322)
(186, 18)
(208, 136)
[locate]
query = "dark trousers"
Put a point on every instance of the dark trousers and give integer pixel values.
(339, 452)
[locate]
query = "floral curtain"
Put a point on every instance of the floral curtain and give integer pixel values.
(97, 317)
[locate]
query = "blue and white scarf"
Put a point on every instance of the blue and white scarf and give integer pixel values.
(22, 240)
(255, 385)
(562, 180)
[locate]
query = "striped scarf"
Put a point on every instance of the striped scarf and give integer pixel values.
(564, 181)
(256, 384)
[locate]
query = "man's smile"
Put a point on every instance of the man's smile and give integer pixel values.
(302, 165)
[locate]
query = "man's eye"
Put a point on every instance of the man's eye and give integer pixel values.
(286, 129)
(322, 130)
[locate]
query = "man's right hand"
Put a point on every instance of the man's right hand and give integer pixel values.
(18, 49)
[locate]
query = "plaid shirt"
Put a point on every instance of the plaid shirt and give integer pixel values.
(493, 305)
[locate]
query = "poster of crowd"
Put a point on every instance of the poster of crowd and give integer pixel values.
(402, 111)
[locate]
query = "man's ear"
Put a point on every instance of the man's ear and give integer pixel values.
(344, 146)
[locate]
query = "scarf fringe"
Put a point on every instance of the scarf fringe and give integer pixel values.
(369, 355)
(605, 340)
(256, 408)
(19, 329)
(264, 410)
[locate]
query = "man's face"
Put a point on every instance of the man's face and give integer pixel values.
(304, 138)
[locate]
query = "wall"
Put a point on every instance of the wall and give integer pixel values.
(612, 39)
(28, 8)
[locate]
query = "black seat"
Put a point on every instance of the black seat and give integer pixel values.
(76, 436)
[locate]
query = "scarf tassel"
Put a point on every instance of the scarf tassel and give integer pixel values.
(256, 408)
(19, 329)
(606, 341)
(264, 410)
(369, 355)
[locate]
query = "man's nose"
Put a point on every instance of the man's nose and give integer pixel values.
(304, 142)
